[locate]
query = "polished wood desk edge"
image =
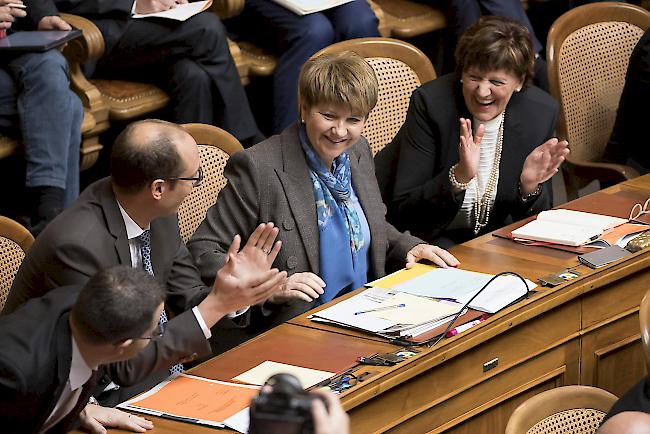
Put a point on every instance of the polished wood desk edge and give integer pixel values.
(501, 322)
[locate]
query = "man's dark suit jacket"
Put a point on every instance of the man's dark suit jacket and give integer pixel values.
(91, 236)
(413, 170)
(270, 182)
(35, 364)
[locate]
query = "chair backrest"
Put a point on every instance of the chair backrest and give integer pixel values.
(588, 51)
(215, 147)
(569, 409)
(400, 69)
(15, 241)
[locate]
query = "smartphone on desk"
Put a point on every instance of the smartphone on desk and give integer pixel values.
(602, 257)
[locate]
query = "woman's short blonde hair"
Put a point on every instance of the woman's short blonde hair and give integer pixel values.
(338, 78)
(496, 43)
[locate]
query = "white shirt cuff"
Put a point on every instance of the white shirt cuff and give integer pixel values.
(204, 327)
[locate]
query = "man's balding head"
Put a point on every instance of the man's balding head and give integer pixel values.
(145, 151)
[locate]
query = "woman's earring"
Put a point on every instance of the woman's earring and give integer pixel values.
(518, 89)
(461, 80)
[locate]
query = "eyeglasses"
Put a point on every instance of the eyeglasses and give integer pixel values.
(198, 179)
(638, 210)
(158, 332)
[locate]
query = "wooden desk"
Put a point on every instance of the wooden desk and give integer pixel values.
(582, 332)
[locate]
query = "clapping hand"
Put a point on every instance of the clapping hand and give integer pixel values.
(9, 14)
(542, 163)
(469, 151)
(246, 278)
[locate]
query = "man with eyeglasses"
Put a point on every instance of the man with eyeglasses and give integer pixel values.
(130, 219)
(74, 330)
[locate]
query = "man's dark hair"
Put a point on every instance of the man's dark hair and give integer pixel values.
(136, 165)
(117, 304)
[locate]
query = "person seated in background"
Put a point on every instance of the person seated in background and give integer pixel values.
(37, 104)
(297, 37)
(626, 141)
(448, 184)
(190, 59)
(130, 219)
(468, 12)
(53, 346)
(316, 181)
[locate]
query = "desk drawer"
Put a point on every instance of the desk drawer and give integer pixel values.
(610, 300)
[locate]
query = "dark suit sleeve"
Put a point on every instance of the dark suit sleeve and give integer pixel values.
(81, 7)
(423, 195)
(544, 200)
(37, 9)
(235, 212)
(183, 340)
(16, 404)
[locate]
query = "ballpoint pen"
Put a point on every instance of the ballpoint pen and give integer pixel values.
(380, 309)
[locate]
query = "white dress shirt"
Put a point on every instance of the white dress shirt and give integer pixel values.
(465, 217)
(80, 373)
(133, 231)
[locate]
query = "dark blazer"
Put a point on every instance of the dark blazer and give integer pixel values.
(413, 170)
(270, 182)
(35, 364)
(88, 8)
(628, 139)
(90, 236)
(635, 399)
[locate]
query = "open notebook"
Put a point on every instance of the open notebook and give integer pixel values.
(568, 227)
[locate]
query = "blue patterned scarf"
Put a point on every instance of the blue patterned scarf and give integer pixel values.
(341, 236)
(333, 190)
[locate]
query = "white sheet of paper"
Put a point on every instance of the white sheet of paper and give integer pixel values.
(344, 312)
(417, 310)
(461, 285)
(240, 421)
(180, 12)
(260, 373)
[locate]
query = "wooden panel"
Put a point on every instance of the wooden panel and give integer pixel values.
(612, 357)
(432, 389)
(626, 290)
(485, 407)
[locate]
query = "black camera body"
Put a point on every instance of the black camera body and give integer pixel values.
(282, 407)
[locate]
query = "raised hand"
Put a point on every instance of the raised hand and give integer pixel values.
(469, 151)
(542, 163)
(304, 286)
(435, 254)
(246, 278)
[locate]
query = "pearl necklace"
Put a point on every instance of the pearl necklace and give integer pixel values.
(482, 204)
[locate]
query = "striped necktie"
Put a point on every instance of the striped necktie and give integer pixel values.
(145, 249)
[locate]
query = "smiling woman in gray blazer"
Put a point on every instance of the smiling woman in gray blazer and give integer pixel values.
(316, 181)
